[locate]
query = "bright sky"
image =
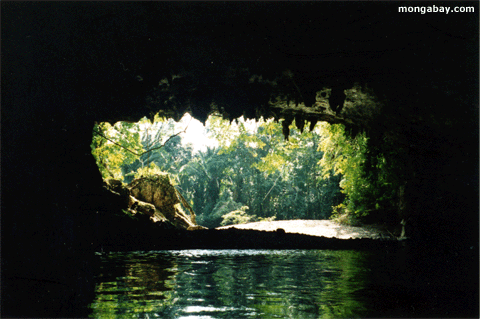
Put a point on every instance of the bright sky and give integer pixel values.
(196, 133)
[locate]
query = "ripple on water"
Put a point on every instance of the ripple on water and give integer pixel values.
(260, 283)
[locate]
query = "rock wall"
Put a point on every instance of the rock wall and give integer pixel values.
(155, 197)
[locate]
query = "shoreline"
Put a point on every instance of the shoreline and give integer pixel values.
(319, 228)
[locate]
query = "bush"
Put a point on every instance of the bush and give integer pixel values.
(341, 214)
(151, 170)
(222, 207)
(237, 217)
(266, 219)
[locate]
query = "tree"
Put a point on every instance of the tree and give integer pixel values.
(270, 175)
(368, 180)
(254, 167)
(122, 149)
(114, 146)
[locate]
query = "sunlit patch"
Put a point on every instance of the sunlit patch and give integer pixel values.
(325, 228)
(207, 309)
(195, 134)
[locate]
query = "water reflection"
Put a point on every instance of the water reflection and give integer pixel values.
(254, 284)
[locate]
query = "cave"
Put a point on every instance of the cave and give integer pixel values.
(67, 65)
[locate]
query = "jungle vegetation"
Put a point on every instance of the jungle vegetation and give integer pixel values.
(254, 173)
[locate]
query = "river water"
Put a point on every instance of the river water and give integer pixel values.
(278, 284)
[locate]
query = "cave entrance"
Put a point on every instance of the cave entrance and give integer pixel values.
(227, 172)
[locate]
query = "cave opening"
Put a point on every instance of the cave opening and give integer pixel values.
(225, 172)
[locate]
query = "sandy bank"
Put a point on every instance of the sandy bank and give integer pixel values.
(326, 228)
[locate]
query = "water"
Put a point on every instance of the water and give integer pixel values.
(274, 284)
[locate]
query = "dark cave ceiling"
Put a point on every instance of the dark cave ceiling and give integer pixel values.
(362, 64)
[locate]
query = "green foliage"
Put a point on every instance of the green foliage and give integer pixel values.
(237, 217)
(222, 208)
(265, 219)
(274, 177)
(167, 154)
(253, 166)
(345, 156)
(128, 150)
(368, 182)
(241, 217)
(114, 146)
(149, 170)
